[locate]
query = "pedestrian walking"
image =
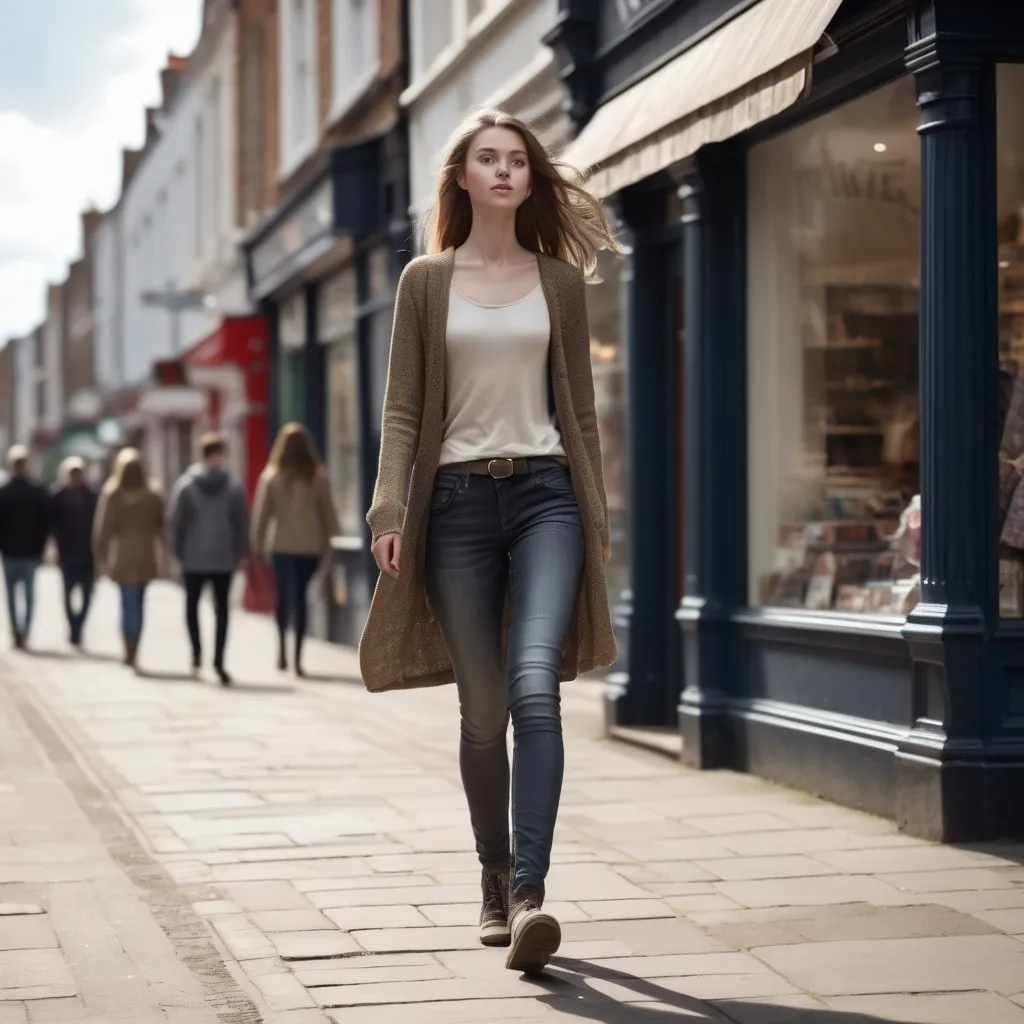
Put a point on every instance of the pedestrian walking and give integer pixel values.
(128, 541)
(293, 520)
(209, 530)
(489, 517)
(25, 522)
(74, 512)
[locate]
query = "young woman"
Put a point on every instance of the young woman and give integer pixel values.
(489, 517)
(293, 520)
(128, 541)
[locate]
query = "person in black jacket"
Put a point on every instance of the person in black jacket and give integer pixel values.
(25, 518)
(74, 509)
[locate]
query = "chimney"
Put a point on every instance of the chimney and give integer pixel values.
(171, 78)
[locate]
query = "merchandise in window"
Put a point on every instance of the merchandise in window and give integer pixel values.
(336, 311)
(834, 215)
(1010, 154)
(608, 358)
(343, 437)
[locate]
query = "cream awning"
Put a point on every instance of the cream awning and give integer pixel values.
(751, 69)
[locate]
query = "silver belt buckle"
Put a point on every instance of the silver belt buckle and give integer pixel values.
(500, 476)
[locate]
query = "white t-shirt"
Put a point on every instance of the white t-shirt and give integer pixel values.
(498, 380)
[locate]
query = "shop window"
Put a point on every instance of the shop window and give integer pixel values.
(343, 436)
(291, 385)
(834, 214)
(1010, 142)
(336, 308)
(337, 328)
(608, 357)
(291, 333)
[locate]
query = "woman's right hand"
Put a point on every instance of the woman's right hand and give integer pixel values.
(387, 552)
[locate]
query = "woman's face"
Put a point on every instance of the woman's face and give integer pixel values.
(497, 171)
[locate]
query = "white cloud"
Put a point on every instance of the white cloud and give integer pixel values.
(48, 176)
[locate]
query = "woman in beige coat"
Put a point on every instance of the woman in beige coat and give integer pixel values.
(489, 518)
(293, 522)
(128, 541)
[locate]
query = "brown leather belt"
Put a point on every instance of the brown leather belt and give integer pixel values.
(500, 469)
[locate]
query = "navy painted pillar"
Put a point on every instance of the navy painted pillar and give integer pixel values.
(637, 694)
(941, 772)
(714, 216)
(315, 379)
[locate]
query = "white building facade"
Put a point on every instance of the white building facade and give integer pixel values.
(467, 54)
(174, 230)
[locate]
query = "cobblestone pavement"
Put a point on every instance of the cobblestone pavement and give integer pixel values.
(299, 852)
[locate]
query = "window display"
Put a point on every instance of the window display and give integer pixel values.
(343, 437)
(336, 310)
(834, 212)
(608, 356)
(1010, 155)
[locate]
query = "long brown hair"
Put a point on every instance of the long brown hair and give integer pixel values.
(559, 217)
(128, 475)
(294, 454)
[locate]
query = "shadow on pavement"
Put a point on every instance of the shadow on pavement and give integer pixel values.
(49, 655)
(326, 677)
(570, 977)
(57, 654)
(1011, 851)
(161, 676)
(260, 687)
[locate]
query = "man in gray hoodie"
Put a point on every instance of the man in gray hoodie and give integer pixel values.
(209, 528)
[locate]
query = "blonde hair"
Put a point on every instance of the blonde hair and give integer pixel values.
(559, 218)
(294, 454)
(128, 474)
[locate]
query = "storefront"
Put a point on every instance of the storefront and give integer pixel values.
(325, 268)
(842, 183)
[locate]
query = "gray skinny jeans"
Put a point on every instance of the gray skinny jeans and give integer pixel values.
(521, 535)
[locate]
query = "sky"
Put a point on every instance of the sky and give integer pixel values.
(75, 77)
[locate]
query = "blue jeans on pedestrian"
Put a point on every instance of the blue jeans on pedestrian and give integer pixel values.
(78, 576)
(520, 537)
(20, 573)
(292, 576)
(133, 597)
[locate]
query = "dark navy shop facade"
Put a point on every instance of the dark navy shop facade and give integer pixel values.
(325, 268)
(824, 326)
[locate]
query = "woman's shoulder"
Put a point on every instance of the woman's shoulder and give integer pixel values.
(560, 270)
(418, 269)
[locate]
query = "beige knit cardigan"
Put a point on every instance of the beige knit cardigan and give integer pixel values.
(401, 645)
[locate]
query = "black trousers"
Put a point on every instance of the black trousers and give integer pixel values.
(194, 584)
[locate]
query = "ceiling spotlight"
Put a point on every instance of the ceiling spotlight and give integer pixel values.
(880, 147)
(1003, 264)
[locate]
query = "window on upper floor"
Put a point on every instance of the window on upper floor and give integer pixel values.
(298, 81)
(198, 160)
(433, 31)
(355, 50)
(216, 164)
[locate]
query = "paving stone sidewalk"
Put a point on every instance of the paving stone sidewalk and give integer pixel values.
(299, 852)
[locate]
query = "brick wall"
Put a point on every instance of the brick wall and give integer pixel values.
(258, 135)
(259, 74)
